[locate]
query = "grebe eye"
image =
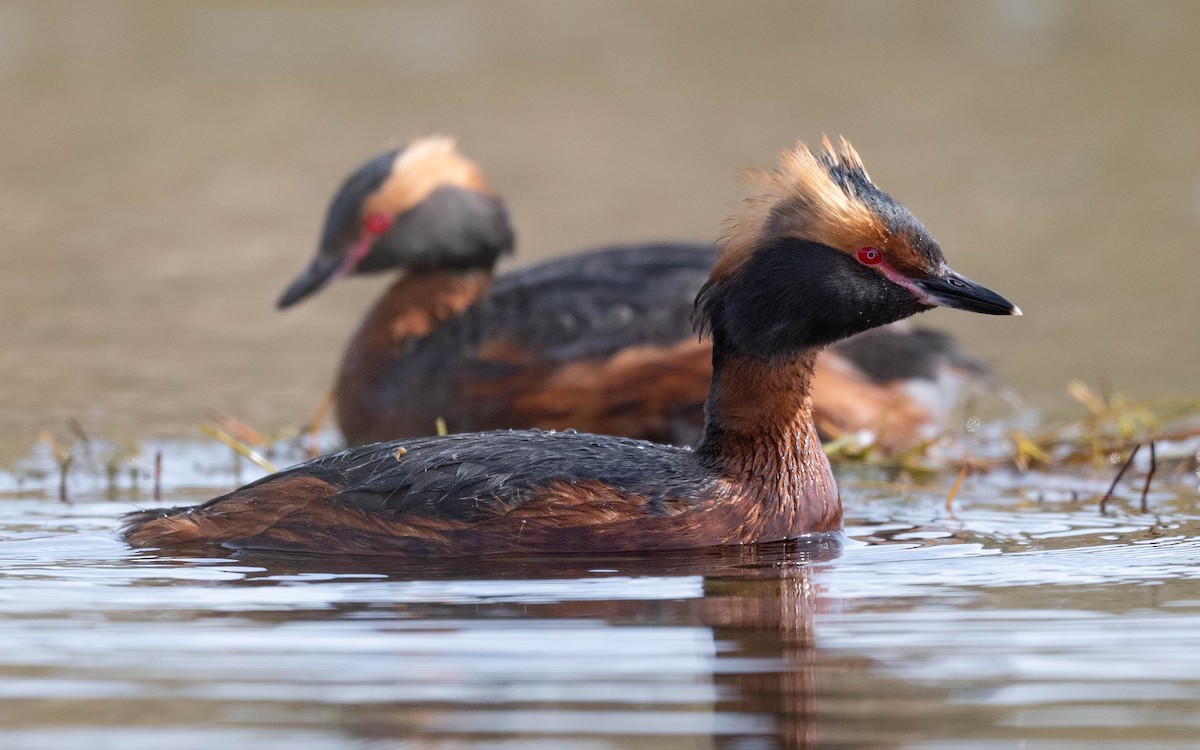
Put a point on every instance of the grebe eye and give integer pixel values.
(870, 256)
(377, 223)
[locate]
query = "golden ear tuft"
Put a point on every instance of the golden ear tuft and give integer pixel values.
(428, 146)
(425, 165)
(804, 199)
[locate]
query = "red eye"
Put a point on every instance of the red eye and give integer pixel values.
(870, 256)
(377, 223)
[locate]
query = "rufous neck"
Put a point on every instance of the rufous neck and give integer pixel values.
(759, 434)
(418, 302)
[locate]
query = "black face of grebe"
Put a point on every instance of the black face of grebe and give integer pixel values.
(822, 254)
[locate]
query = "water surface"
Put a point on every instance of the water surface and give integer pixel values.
(1023, 616)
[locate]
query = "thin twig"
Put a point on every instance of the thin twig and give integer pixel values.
(1121, 473)
(80, 435)
(316, 423)
(242, 450)
(1149, 476)
(241, 431)
(64, 466)
(157, 475)
(954, 488)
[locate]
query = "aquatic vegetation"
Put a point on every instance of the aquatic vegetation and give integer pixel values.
(1113, 427)
(77, 449)
(1116, 439)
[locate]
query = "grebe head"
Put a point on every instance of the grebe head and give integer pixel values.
(423, 207)
(819, 253)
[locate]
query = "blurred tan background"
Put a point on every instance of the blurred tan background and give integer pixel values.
(164, 169)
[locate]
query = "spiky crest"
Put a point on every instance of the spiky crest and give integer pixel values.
(811, 195)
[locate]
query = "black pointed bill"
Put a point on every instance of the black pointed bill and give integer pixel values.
(953, 290)
(327, 266)
(319, 272)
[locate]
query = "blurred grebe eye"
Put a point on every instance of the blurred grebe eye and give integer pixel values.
(377, 223)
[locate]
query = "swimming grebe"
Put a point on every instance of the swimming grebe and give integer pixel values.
(817, 254)
(600, 341)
